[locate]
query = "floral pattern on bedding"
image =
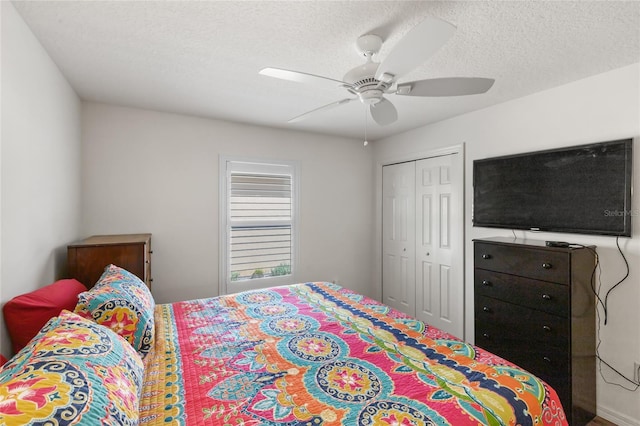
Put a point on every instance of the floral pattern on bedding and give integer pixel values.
(317, 354)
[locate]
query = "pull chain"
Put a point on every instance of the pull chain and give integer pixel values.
(366, 142)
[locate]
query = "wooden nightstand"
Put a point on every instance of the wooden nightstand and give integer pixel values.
(87, 258)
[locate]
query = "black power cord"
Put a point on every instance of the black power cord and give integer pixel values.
(604, 304)
(606, 297)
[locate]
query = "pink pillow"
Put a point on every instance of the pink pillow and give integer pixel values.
(26, 314)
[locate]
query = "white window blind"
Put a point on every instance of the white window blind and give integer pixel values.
(260, 230)
(260, 217)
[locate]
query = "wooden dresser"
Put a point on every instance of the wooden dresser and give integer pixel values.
(534, 306)
(87, 259)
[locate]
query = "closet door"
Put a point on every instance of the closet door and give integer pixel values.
(439, 239)
(398, 237)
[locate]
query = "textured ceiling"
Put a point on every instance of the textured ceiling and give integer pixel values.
(203, 58)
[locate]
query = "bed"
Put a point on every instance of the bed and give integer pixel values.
(305, 354)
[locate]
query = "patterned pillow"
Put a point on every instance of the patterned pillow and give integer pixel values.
(122, 302)
(82, 310)
(73, 372)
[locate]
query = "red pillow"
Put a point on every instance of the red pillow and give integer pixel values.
(25, 315)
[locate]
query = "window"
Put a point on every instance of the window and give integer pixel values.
(258, 231)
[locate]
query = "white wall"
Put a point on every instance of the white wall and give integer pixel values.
(40, 164)
(146, 171)
(600, 108)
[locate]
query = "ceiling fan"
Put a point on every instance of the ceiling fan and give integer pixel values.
(371, 81)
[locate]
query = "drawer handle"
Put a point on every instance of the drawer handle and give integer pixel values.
(486, 283)
(546, 265)
(547, 359)
(546, 297)
(486, 309)
(546, 328)
(486, 335)
(486, 256)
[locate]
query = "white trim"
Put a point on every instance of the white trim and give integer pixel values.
(419, 156)
(268, 166)
(616, 417)
(223, 184)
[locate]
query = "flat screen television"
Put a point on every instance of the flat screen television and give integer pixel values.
(582, 189)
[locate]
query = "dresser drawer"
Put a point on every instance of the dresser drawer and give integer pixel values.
(520, 326)
(540, 264)
(550, 364)
(540, 295)
(547, 357)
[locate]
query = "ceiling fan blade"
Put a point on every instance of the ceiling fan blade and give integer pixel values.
(322, 108)
(453, 86)
(300, 77)
(415, 47)
(383, 112)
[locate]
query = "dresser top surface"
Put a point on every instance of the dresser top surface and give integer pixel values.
(519, 242)
(113, 239)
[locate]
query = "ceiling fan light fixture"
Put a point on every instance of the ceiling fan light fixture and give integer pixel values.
(371, 96)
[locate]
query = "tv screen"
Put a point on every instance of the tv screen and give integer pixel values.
(583, 189)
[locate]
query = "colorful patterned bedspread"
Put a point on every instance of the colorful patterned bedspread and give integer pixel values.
(316, 354)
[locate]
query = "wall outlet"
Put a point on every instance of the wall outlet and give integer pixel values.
(636, 372)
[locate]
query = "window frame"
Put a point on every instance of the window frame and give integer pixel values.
(228, 165)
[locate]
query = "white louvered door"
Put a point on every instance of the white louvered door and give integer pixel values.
(422, 247)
